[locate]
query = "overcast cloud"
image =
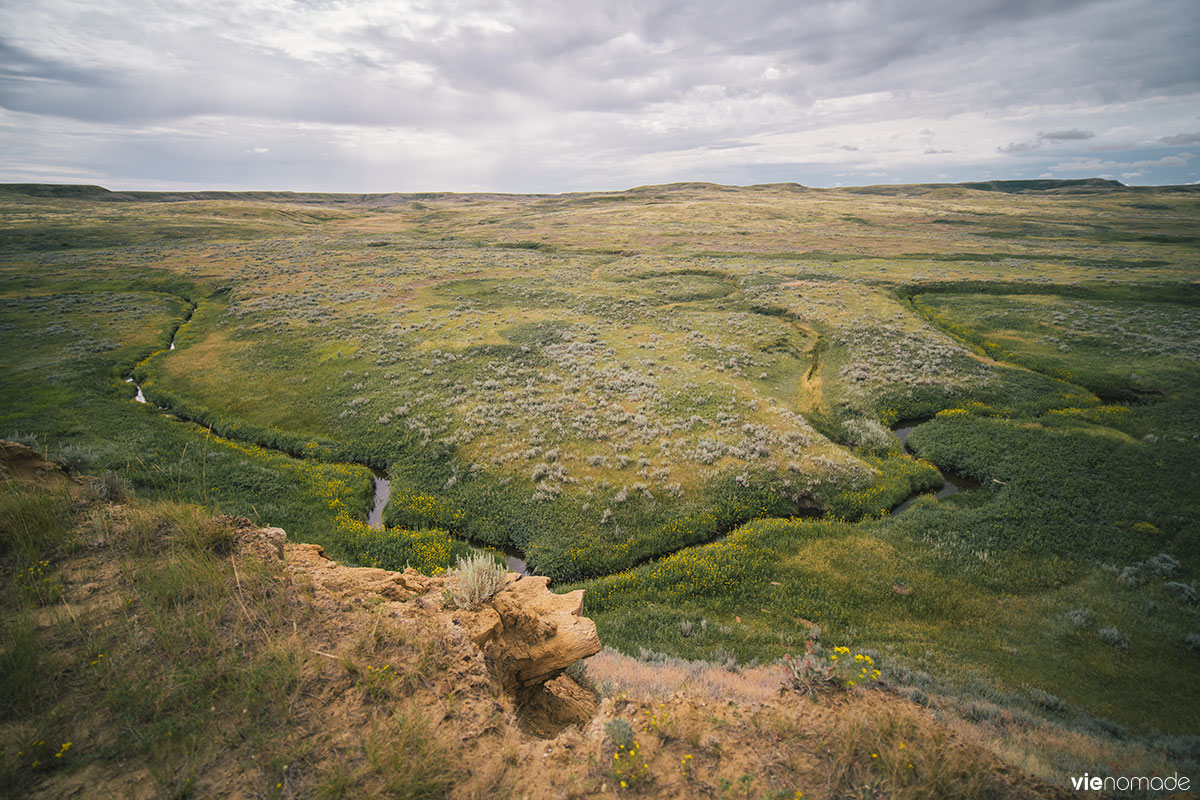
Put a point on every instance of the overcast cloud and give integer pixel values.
(379, 95)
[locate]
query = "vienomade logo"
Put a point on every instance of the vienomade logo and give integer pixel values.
(1156, 783)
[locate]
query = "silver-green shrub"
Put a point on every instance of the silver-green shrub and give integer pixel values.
(475, 579)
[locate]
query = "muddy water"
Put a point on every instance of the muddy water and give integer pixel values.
(953, 483)
(514, 558)
(903, 428)
(383, 490)
(517, 565)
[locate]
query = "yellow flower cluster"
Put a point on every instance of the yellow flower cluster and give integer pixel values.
(1101, 415)
(41, 745)
(426, 508)
(864, 663)
(36, 571)
(659, 722)
(850, 670)
(428, 551)
(35, 579)
(688, 574)
(628, 769)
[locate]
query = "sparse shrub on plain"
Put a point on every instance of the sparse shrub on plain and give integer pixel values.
(73, 458)
(1113, 637)
(28, 439)
(475, 579)
(620, 733)
(980, 711)
(870, 435)
(815, 670)
(1184, 591)
(1162, 565)
(1046, 700)
(1130, 576)
(1077, 618)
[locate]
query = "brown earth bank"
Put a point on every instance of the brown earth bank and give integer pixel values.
(151, 650)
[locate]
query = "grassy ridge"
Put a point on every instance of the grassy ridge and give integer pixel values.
(198, 669)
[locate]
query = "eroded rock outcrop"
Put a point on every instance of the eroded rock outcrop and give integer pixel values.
(265, 543)
(542, 633)
(526, 634)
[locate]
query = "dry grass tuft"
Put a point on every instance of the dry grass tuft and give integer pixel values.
(615, 672)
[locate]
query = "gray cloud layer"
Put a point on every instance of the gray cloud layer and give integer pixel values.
(1072, 135)
(379, 95)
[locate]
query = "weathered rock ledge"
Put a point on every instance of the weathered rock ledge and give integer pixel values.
(526, 635)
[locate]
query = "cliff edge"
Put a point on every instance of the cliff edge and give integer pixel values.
(150, 649)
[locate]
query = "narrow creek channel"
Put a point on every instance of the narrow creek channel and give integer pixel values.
(953, 483)
(383, 490)
(513, 558)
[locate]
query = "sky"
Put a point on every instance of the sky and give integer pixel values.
(550, 96)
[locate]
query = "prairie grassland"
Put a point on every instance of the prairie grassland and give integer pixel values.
(604, 380)
(64, 356)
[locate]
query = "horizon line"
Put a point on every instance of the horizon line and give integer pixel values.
(1032, 183)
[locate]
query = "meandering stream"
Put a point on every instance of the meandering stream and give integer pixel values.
(383, 490)
(953, 483)
(515, 559)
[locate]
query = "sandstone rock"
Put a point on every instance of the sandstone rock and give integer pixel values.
(527, 634)
(311, 554)
(542, 634)
(482, 625)
(416, 582)
(25, 464)
(266, 543)
(548, 709)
